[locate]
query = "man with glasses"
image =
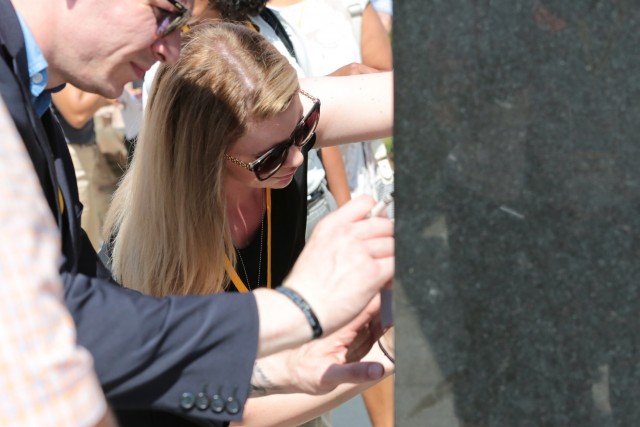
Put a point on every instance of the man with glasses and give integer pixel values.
(192, 356)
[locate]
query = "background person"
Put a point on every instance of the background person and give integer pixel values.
(131, 100)
(75, 109)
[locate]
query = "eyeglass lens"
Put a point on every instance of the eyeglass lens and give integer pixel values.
(170, 21)
(301, 135)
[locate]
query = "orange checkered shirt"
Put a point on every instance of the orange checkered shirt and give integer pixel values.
(45, 377)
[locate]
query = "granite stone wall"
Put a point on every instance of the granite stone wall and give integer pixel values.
(517, 159)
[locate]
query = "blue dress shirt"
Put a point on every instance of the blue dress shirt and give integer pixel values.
(37, 64)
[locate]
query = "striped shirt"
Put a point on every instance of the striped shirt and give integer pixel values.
(45, 378)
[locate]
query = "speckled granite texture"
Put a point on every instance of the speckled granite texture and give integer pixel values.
(517, 158)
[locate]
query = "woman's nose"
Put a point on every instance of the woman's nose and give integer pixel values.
(294, 157)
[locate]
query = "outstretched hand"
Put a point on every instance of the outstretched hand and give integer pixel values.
(321, 365)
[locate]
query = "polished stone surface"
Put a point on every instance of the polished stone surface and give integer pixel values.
(517, 158)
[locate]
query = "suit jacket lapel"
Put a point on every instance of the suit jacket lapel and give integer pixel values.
(12, 39)
(24, 114)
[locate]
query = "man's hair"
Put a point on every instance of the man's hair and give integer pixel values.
(238, 10)
(169, 214)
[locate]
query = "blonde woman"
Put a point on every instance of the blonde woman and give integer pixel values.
(215, 198)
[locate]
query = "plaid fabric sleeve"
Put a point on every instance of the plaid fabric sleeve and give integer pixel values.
(45, 378)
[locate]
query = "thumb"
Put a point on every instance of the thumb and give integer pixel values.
(358, 372)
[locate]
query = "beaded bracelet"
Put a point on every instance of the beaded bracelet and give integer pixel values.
(306, 310)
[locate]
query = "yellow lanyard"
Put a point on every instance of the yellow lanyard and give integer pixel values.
(60, 201)
(233, 275)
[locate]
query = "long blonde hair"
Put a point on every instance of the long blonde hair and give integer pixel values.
(169, 214)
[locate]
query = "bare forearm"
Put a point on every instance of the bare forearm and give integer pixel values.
(336, 174)
(376, 45)
(295, 409)
(378, 401)
(354, 108)
(78, 107)
(282, 324)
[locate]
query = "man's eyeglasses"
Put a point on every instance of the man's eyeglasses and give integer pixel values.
(271, 161)
(169, 21)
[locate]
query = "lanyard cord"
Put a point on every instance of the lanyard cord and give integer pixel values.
(268, 238)
(233, 275)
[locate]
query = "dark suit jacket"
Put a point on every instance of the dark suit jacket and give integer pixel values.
(150, 353)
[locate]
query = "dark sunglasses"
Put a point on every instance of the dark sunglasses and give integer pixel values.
(169, 21)
(270, 162)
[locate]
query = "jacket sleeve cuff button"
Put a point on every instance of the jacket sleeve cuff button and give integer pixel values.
(217, 404)
(187, 401)
(232, 406)
(202, 401)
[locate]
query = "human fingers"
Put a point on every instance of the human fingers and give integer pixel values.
(353, 69)
(363, 320)
(363, 331)
(354, 210)
(357, 372)
(371, 227)
(355, 332)
(382, 247)
(382, 354)
(360, 282)
(364, 340)
(367, 334)
(376, 234)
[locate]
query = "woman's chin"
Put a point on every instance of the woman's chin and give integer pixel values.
(281, 181)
